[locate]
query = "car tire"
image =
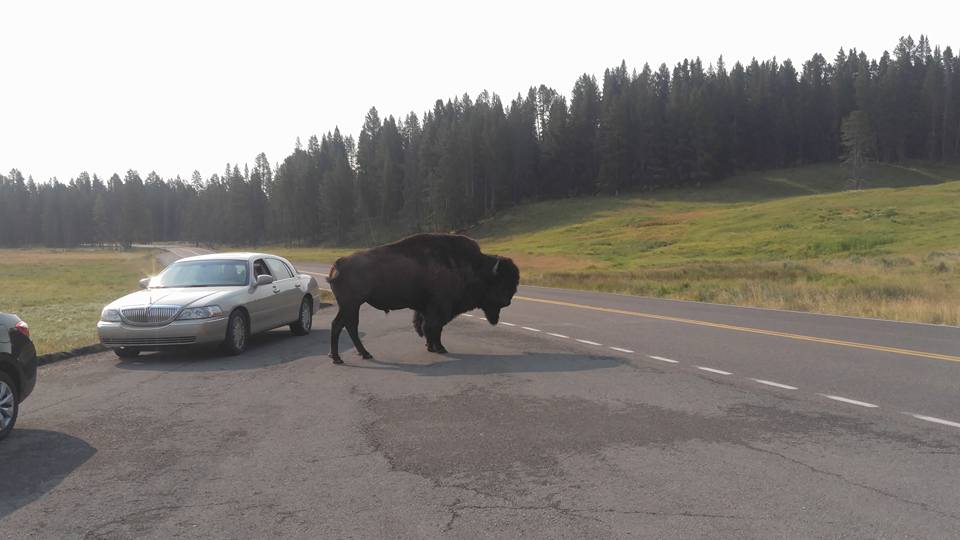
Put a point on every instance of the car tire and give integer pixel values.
(238, 333)
(9, 405)
(304, 324)
(127, 352)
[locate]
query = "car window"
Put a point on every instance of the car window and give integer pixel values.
(280, 270)
(260, 269)
(206, 273)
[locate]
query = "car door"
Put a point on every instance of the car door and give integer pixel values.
(289, 295)
(263, 302)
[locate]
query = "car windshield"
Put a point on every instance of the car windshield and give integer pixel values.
(203, 274)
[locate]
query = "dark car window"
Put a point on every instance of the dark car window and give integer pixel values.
(203, 274)
(280, 270)
(260, 269)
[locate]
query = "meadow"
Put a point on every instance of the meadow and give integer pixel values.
(60, 292)
(788, 238)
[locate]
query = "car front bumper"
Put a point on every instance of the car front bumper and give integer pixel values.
(175, 334)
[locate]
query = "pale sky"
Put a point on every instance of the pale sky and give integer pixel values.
(175, 86)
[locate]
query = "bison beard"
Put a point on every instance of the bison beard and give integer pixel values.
(439, 276)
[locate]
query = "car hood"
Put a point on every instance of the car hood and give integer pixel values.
(173, 296)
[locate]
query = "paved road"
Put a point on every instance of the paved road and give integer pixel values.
(591, 416)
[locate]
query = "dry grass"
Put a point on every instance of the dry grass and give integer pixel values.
(60, 292)
(788, 239)
(784, 239)
(918, 289)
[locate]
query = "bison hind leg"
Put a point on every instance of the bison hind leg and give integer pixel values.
(418, 323)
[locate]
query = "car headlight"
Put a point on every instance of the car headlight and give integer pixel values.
(110, 315)
(207, 312)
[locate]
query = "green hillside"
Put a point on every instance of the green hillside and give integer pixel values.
(790, 238)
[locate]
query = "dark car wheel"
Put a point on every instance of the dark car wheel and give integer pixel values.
(305, 322)
(127, 352)
(9, 405)
(237, 334)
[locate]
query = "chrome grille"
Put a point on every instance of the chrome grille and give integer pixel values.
(150, 315)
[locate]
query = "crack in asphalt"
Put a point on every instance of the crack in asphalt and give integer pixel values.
(850, 482)
(456, 507)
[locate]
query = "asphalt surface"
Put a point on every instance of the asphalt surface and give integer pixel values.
(665, 420)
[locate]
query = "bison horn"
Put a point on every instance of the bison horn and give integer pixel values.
(495, 265)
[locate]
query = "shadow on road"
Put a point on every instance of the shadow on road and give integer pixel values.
(34, 462)
(484, 364)
(263, 350)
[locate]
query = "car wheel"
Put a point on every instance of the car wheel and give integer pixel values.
(303, 325)
(127, 352)
(237, 334)
(9, 405)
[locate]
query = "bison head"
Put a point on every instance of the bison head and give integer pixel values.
(502, 282)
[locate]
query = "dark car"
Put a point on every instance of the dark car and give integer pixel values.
(18, 369)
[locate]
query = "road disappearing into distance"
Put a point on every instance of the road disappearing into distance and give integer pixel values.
(580, 415)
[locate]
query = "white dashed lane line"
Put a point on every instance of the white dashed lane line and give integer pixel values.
(776, 384)
(662, 359)
(850, 401)
(766, 382)
(717, 371)
(935, 420)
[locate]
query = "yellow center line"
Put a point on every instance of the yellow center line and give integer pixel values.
(838, 342)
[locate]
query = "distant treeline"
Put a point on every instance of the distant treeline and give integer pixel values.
(467, 158)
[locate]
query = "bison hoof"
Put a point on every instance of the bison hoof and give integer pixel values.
(439, 350)
(366, 356)
(336, 359)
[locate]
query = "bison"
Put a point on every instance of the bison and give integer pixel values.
(439, 276)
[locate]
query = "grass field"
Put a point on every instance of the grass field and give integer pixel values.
(788, 238)
(60, 292)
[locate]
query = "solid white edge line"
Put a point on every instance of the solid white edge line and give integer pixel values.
(507, 323)
(558, 335)
(662, 359)
(467, 315)
(530, 329)
(934, 419)
(622, 350)
(717, 371)
(850, 401)
(588, 342)
(771, 383)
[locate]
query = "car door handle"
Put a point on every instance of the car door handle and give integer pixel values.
(276, 290)
(299, 286)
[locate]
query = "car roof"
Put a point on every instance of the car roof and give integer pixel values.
(236, 256)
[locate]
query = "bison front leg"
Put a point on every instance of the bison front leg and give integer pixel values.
(433, 327)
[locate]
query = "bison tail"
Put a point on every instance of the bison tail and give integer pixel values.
(334, 272)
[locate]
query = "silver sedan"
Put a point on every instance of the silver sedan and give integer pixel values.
(220, 298)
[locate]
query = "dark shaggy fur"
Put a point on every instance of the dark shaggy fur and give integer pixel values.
(439, 276)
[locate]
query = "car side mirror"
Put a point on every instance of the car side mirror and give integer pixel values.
(264, 279)
(144, 283)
